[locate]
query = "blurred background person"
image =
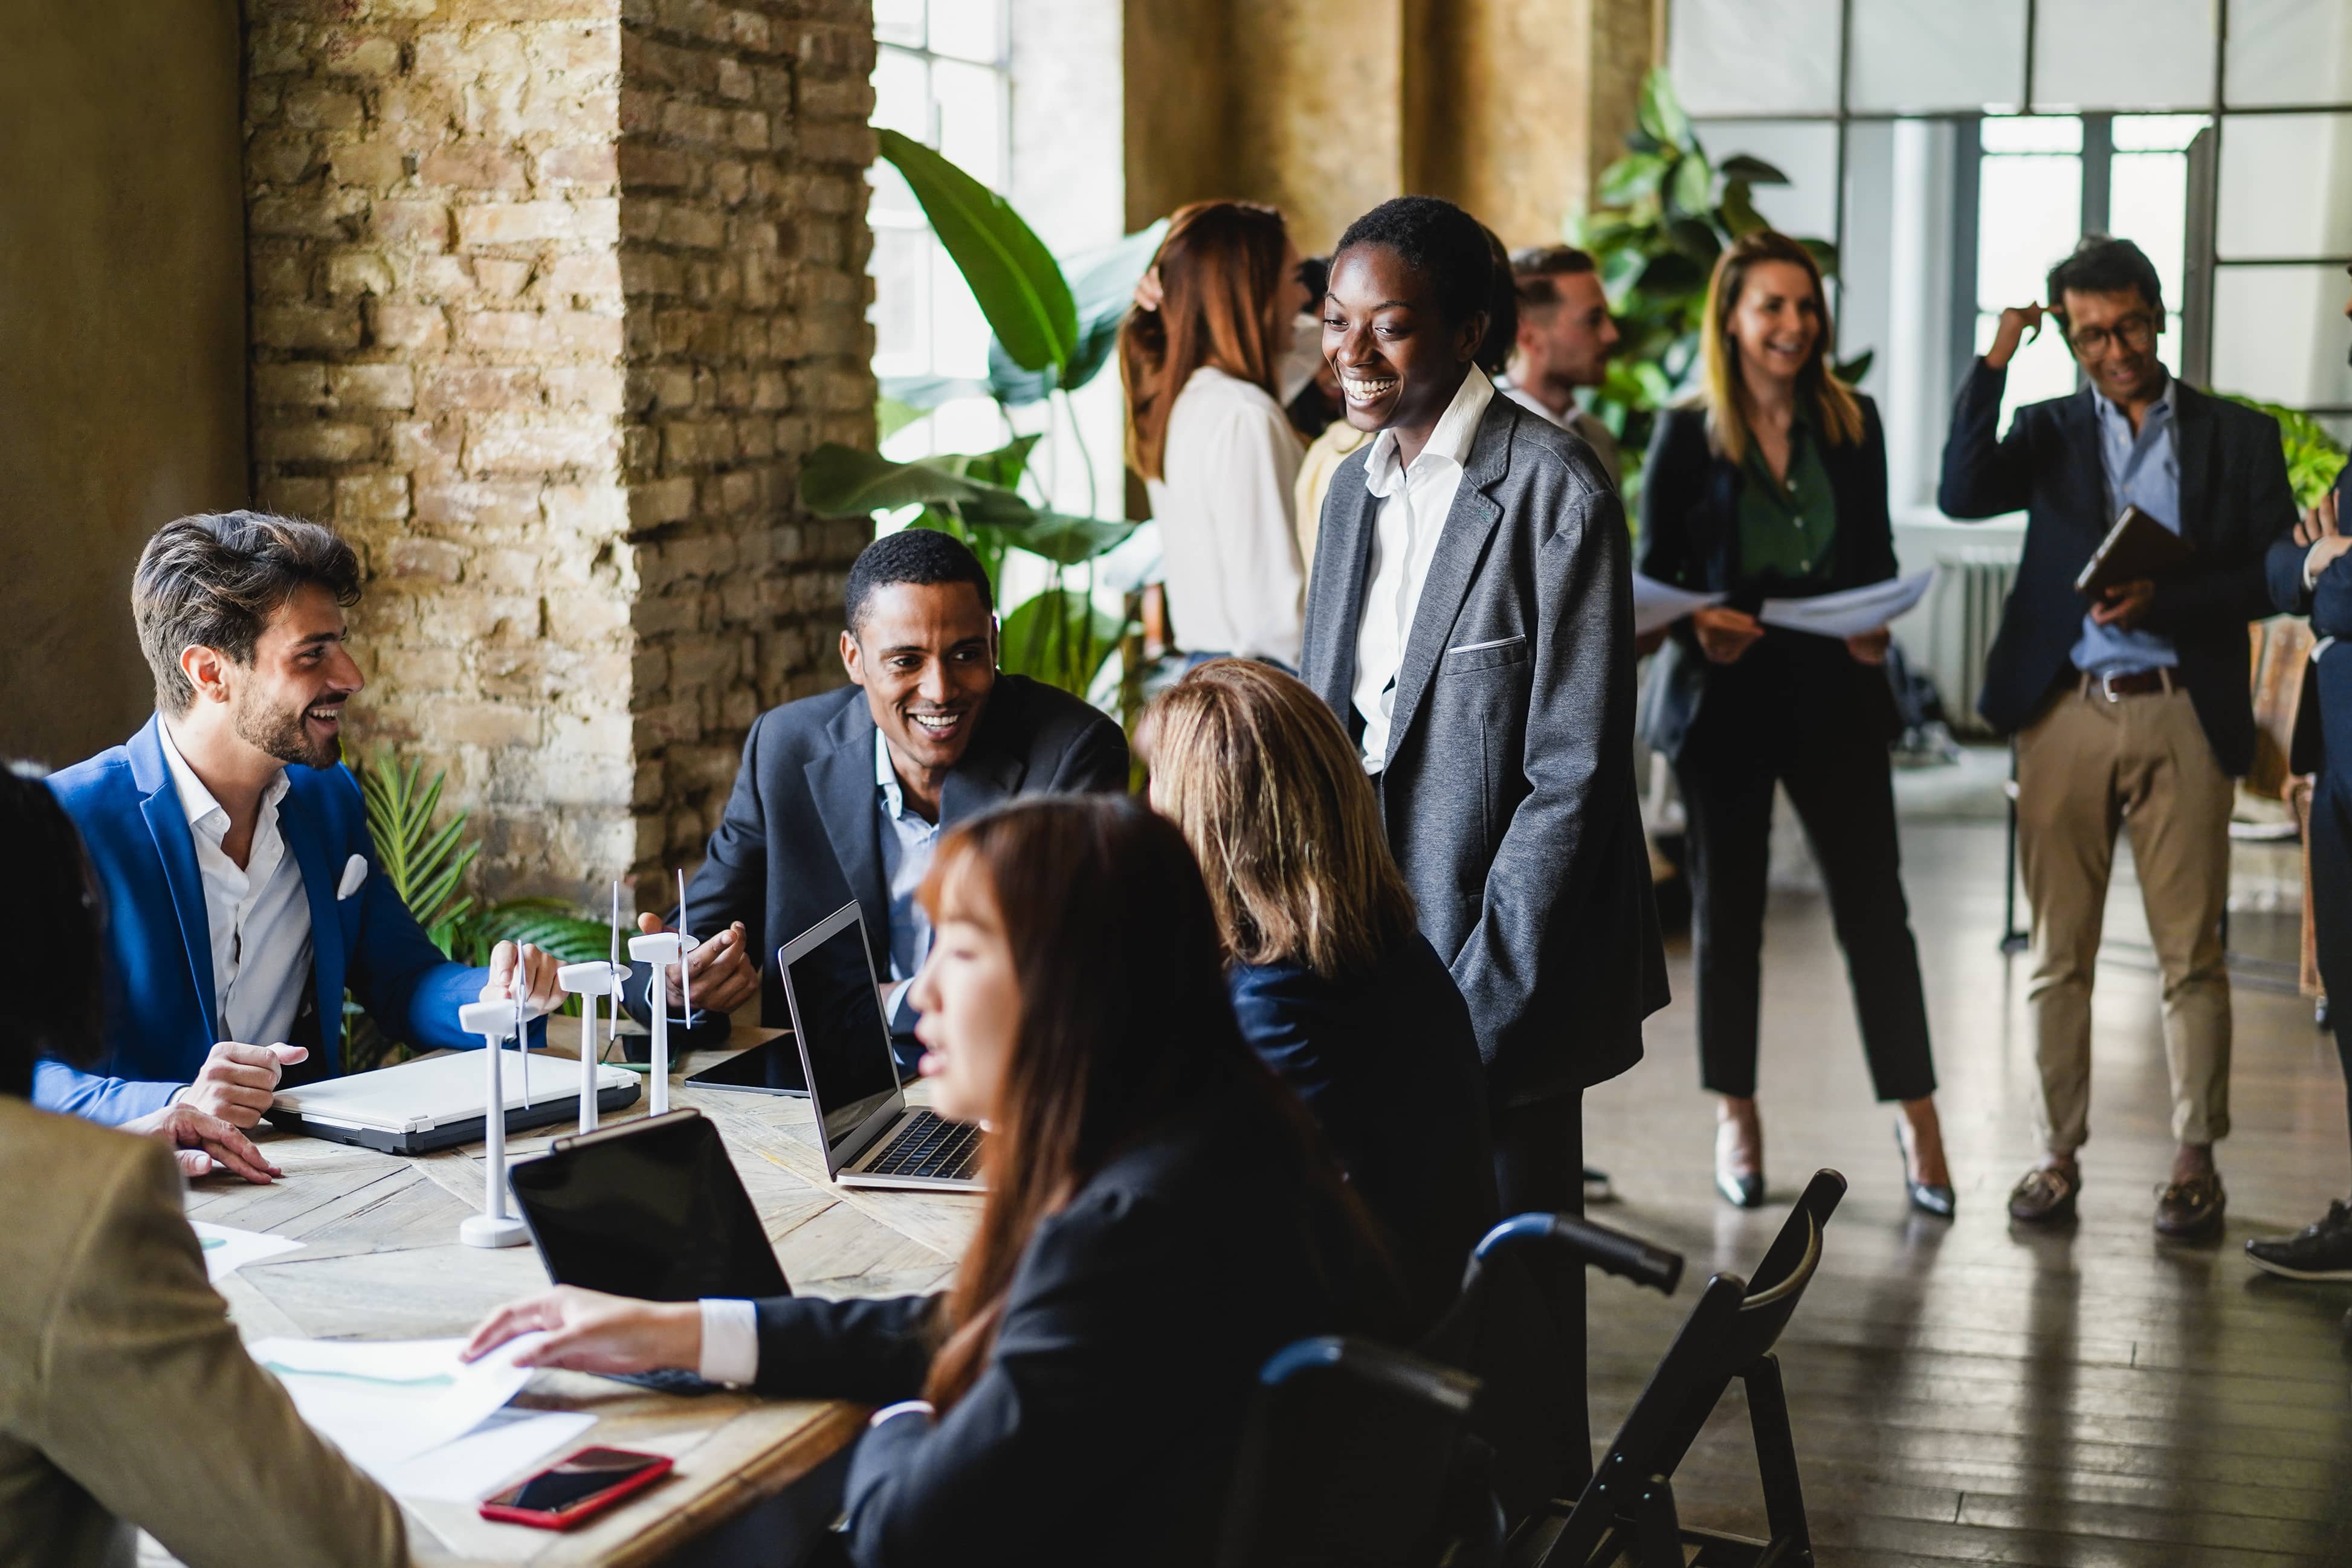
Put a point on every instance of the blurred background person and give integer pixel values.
(1563, 340)
(1773, 482)
(1207, 433)
(1310, 388)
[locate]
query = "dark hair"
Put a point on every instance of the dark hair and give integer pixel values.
(1124, 1015)
(1502, 309)
(2101, 264)
(1446, 246)
(214, 579)
(1533, 269)
(917, 555)
(1315, 275)
(52, 923)
(1220, 270)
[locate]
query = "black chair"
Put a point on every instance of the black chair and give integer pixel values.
(1504, 1330)
(1628, 1506)
(1354, 1458)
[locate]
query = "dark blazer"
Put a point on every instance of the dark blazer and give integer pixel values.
(801, 836)
(2322, 730)
(1690, 538)
(1105, 1424)
(1389, 1065)
(162, 1018)
(2235, 503)
(1508, 793)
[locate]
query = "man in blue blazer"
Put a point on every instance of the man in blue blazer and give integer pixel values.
(241, 885)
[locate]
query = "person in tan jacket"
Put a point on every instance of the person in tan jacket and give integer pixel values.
(127, 1401)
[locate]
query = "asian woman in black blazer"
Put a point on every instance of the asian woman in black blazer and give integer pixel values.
(1773, 483)
(1160, 1218)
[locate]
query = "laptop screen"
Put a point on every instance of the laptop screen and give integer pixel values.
(656, 1211)
(838, 1015)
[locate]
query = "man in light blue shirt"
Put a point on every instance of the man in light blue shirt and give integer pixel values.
(2143, 470)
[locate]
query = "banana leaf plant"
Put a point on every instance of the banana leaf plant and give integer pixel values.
(1666, 214)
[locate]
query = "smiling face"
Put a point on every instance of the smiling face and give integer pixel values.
(926, 655)
(288, 703)
(1776, 323)
(969, 993)
(2113, 334)
(1398, 361)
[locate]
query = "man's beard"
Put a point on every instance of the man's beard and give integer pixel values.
(280, 733)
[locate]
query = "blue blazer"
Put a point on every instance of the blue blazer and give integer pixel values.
(162, 1018)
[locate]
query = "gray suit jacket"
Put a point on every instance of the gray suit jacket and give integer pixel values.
(1508, 793)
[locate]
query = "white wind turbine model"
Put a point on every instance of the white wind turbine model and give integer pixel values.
(588, 981)
(661, 950)
(497, 1022)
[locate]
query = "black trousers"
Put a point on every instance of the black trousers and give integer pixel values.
(2331, 905)
(1833, 763)
(1539, 1169)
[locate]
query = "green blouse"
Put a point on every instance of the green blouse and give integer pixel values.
(1785, 528)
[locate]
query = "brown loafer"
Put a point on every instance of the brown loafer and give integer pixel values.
(2191, 1207)
(2044, 1195)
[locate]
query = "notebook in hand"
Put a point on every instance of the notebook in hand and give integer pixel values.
(2137, 547)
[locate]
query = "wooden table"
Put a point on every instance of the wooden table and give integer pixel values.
(381, 1259)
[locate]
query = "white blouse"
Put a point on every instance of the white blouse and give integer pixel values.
(1229, 546)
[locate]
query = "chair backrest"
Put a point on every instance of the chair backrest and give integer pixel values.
(1348, 1460)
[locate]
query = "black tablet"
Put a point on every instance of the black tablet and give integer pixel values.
(773, 1067)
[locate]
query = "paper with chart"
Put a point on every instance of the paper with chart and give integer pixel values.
(1657, 605)
(386, 1401)
(1852, 613)
(227, 1248)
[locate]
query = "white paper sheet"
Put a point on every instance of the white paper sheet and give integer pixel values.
(1852, 613)
(1657, 604)
(508, 1444)
(227, 1249)
(383, 1401)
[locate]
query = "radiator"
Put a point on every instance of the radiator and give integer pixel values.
(1972, 588)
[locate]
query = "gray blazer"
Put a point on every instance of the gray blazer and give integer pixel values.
(1508, 794)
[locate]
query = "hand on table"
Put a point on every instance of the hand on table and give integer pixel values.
(2019, 324)
(200, 1142)
(2124, 605)
(238, 1081)
(2321, 531)
(1870, 647)
(1724, 634)
(589, 1331)
(542, 992)
(725, 978)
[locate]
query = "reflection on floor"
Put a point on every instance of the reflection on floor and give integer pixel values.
(1971, 1392)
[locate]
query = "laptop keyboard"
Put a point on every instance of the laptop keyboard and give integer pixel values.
(928, 1146)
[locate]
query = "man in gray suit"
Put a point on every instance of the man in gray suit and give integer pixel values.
(1470, 618)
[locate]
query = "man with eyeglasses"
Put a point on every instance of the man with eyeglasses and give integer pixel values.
(2134, 710)
(2310, 577)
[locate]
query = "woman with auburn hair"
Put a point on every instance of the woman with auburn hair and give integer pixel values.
(1201, 368)
(1336, 988)
(1773, 483)
(1160, 1218)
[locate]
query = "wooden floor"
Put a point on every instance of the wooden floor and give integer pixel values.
(1979, 1393)
(1974, 1392)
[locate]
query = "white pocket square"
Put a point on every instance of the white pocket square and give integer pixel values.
(354, 874)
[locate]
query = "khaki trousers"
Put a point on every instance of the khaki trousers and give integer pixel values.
(2086, 766)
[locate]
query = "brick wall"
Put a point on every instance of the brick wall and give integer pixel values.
(548, 295)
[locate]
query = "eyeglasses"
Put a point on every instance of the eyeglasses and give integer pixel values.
(2136, 333)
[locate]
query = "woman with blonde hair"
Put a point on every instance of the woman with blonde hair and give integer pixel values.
(1773, 483)
(1204, 430)
(1336, 988)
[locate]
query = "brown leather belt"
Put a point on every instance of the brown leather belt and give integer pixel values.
(2139, 683)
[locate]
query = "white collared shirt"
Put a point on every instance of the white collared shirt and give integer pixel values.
(1229, 542)
(258, 914)
(908, 843)
(1414, 502)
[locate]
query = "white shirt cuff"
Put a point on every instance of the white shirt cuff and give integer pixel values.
(731, 1342)
(2309, 580)
(904, 1407)
(898, 995)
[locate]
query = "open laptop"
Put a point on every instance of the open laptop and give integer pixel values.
(872, 1138)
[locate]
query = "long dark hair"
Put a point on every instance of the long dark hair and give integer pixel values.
(1220, 275)
(1124, 1016)
(51, 924)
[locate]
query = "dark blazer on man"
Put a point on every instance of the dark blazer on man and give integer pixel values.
(1387, 1063)
(1105, 1423)
(1508, 791)
(801, 835)
(1690, 538)
(2234, 504)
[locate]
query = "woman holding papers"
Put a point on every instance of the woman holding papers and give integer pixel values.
(126, 1401)
(1771, 484)
(1160, 1218)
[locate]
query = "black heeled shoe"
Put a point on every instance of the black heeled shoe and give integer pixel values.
(1929, 1198)
(1739, 1190)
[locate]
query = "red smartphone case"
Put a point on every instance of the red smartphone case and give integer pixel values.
(656, 1467)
